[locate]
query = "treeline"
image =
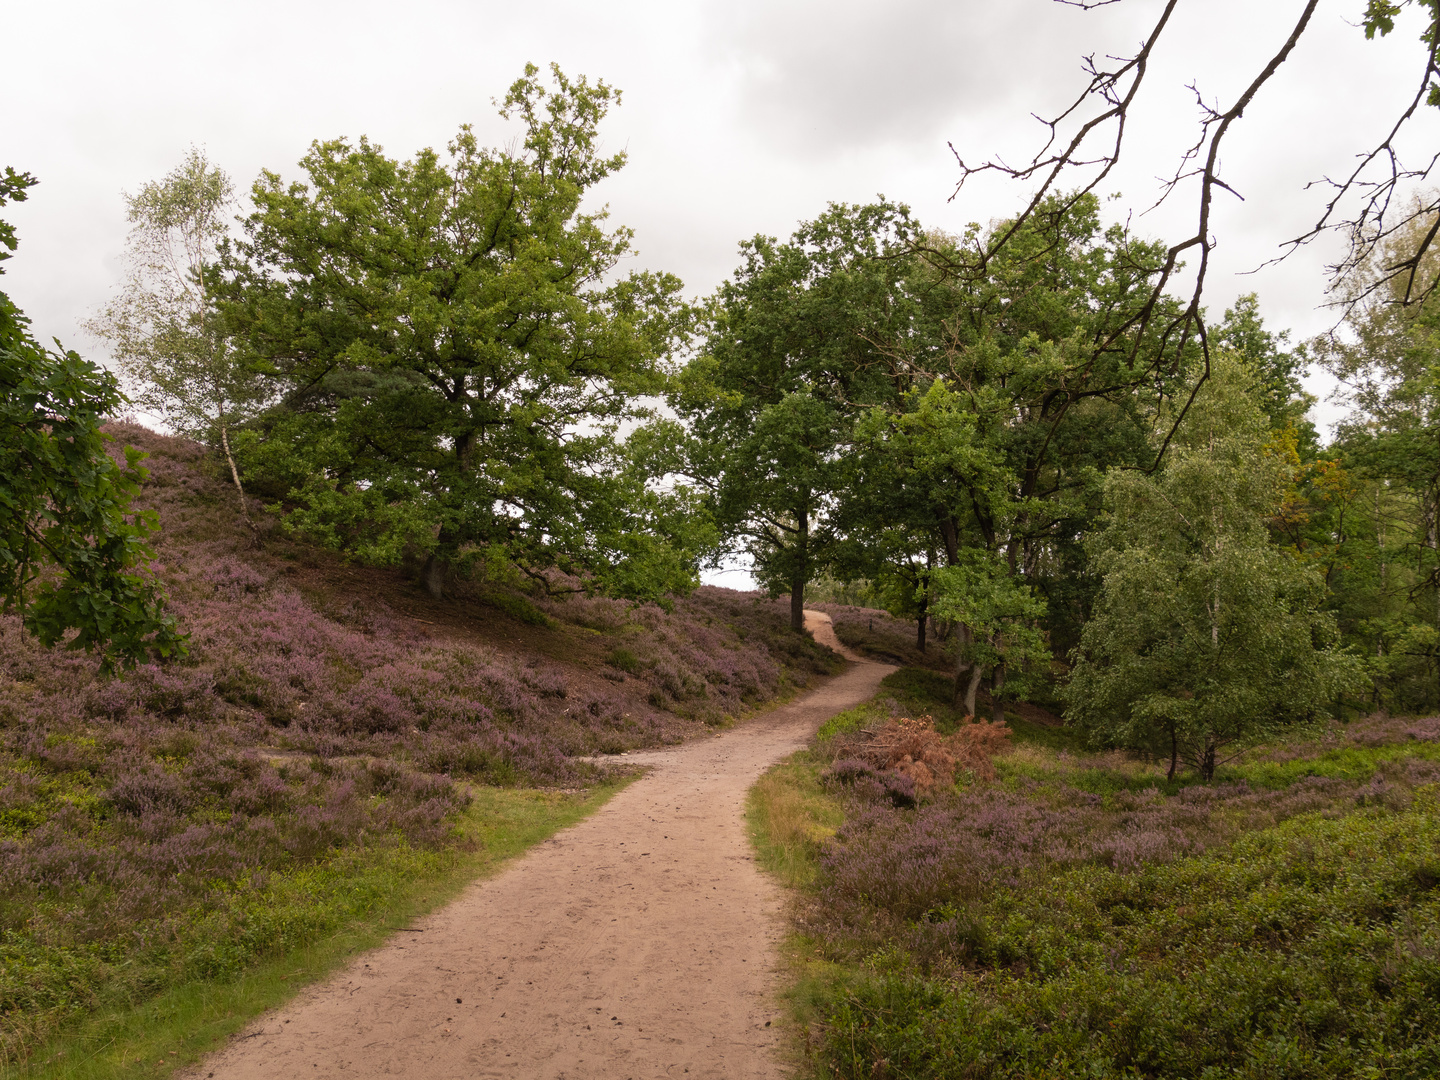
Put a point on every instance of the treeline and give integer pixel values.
(1020, 446)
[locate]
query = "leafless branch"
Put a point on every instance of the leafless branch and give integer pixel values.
(1374, 222)
(1114, 90)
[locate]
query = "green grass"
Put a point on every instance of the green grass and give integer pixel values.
(788, 816)
(517, 607)
(1309, 950)
(851, 721)
(1305, 949)
(1111, 774)
(1346, 763)
(320, 917)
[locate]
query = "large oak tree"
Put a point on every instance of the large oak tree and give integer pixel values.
(457, 353)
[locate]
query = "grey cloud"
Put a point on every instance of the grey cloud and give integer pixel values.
(831, 77)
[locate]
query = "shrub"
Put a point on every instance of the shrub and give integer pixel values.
(1310, 950)
(914, 749)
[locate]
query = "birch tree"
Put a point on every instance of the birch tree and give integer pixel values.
(1206, 635)
(162, 325)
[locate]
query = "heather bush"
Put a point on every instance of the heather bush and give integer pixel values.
(148, 821)
(1307, 950)
(960, 848)
(715, 653)
(1080, 915)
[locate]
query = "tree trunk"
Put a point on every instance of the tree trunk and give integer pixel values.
(924, 601)
(1432, 541)
(801, 575)
(239, 487)
(1174, 752)
(1207, 763)
(973, 689)
(963, 663)
(997, 683)
(950, 535)
(432, 575)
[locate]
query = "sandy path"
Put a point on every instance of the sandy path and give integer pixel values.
(639, 943)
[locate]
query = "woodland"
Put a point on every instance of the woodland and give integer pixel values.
(421, 551)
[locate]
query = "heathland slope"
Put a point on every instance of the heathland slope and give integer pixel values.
(641, 942)
(185, 820)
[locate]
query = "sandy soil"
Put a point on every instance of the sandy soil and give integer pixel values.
(639, 943)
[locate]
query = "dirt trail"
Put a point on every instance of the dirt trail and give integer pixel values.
(639, 943)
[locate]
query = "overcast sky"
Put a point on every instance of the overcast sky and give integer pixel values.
(739, 118)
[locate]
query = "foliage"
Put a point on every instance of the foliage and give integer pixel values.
(178, 984)
(162, 326)
(1205, 634)
(456, 356)
(914, 749)
(1308, 950)
(1372, 518)
(1084, 916)
(1000, 614)
(1276, 371)
(1002, 416)
(71, 554)
(1303, 951)
(789, 357)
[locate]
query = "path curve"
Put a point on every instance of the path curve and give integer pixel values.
(638, 943)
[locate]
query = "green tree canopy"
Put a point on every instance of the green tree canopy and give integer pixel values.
(456, 354)
(1012, 386)
(1380, 524)
(1205, 634)
(790, 358)
(71, 553)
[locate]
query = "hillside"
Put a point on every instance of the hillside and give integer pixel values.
(186, 820)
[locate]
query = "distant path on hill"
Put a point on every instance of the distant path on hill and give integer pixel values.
(639, 943)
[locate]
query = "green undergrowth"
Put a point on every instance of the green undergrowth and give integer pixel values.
(270, 942)
(1300, 945)
(1308, 950)
(789, 815)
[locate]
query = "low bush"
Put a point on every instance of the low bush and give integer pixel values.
(1310, 950)
(1080, 916)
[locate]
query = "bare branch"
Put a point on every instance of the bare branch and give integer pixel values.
(1372, 224)
(1115, 90)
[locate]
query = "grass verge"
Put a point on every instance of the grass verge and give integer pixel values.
(353, 902)
(1085, 917)
(789, 815)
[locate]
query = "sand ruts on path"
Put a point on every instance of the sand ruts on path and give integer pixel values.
(639, 943)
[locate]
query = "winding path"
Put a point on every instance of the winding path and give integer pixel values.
(638, 943)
